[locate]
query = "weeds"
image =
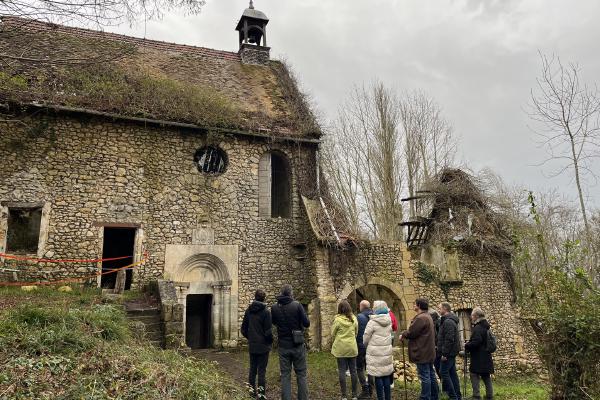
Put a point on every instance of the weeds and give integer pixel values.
(75, 346)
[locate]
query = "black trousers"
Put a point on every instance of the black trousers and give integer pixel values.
(258, 366)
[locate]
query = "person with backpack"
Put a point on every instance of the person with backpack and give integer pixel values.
(435, 317)
(344, 348)
(291, 320)
(256, 327)
(366, 382)
(448, 347)
(421, 348)
(380, 358)
(480, 347)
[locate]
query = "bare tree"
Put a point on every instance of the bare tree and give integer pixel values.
(429, 143)
(362, 161)
(568, 113)
(381, 148)
(95, 12)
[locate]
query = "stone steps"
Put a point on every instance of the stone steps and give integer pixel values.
(146, 322)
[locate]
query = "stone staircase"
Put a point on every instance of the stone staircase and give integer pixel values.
(145, 322)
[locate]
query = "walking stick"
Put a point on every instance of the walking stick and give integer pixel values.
(465, 377)
(404, 369)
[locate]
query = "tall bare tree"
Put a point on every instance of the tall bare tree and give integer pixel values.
(362, 161)
(381, 148)
(568, 113)
(429, 143)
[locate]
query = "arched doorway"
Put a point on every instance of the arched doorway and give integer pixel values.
(372, 292)
(205, 290)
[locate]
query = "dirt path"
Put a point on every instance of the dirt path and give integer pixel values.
(235, 364)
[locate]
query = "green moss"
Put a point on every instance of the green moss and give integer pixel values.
(427, 273)
(73, 346)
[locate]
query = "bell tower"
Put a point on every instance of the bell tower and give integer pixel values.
(252, 30)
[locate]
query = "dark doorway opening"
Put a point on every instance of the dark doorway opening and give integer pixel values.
(118, 242)
(374, 292)
(198, 321)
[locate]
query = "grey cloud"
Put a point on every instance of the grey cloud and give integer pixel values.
(478, 58)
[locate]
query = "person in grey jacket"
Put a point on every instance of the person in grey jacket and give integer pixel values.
(448, 347)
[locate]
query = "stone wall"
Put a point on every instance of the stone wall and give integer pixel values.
(483, 283)
(91, 172)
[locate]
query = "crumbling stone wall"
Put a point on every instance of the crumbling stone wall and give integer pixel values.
(484, 283)
(92, 171)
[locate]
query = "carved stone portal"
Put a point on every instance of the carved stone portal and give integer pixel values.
(208, 270)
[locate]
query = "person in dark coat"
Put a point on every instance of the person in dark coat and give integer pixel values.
(482, 365)
(256, 327)
(448, 347)
(289, 315)
(361, 361)
(421, 348)
(435, 316)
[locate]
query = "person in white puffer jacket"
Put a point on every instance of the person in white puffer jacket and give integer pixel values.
(378, 339)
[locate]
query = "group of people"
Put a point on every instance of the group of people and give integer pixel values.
(364, 343)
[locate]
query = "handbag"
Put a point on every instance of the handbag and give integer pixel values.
(297, 335)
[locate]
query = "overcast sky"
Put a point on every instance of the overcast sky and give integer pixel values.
(477, 58)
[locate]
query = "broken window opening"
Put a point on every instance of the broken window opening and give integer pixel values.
(280, 187)
(275, 186)
(23, 234)
(118, 242)
(464, 325)
(211, 160)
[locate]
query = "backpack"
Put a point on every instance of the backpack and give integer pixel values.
(491, 343)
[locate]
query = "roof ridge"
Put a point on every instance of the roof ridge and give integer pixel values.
(48, 26)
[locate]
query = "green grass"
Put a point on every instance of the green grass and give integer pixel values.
(77, 346)
(323, 381)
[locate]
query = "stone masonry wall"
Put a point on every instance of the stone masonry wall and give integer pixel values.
(484, 284)
(93, 171)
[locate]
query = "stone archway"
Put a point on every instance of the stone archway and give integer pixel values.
(375, 288)
(206, 277)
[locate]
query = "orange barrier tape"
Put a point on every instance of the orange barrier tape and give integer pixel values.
(46, 260)
(73, 280)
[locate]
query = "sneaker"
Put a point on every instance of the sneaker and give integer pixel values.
(347, 373)
(392, 385)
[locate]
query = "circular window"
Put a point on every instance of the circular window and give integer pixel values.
(210, 160)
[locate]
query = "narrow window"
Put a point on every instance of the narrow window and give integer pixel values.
(23, 233)
(464, 326)
(274, 182)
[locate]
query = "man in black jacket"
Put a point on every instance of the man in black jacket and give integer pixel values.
(448, 347)
(482, 364)
(256, 327)
(289, 316)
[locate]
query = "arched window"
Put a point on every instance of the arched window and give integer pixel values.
(274, 186)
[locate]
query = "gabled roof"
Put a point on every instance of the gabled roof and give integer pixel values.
(57, 65)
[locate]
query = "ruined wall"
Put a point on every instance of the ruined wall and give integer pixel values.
(482, 283)
(92, 171)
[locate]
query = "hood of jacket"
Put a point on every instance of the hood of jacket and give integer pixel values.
(450, 316)
(381, 319)
(256, 306)
(283, 300)
(483, 322)
(344, 321)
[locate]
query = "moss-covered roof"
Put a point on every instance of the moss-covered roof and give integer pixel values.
(65, 66)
